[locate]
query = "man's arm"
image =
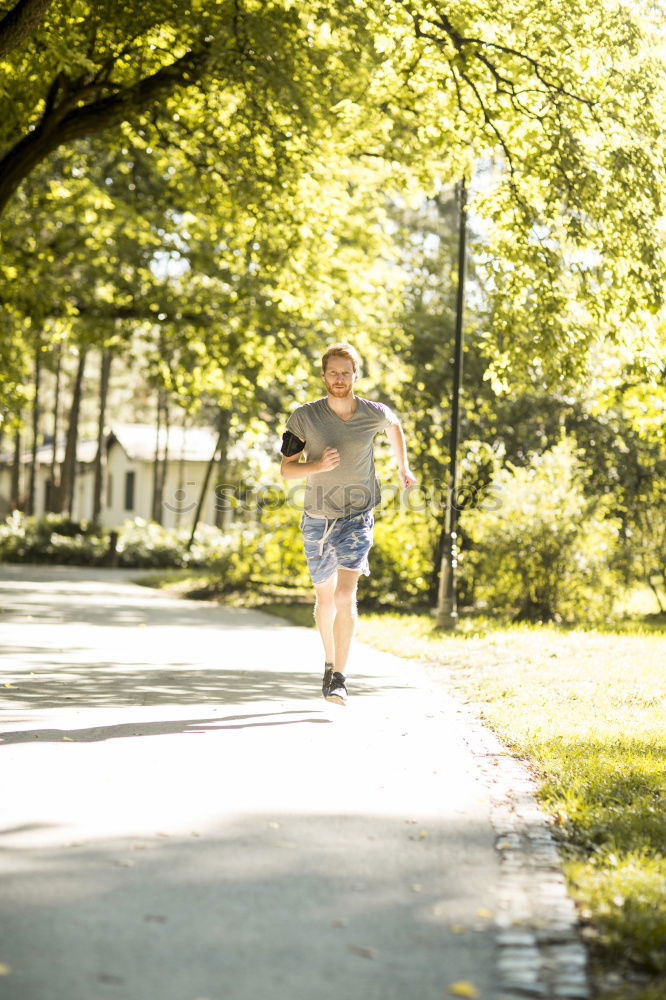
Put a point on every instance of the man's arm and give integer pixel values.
(292, 468)
(399, 448)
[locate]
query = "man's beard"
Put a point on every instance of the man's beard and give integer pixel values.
(342, 390)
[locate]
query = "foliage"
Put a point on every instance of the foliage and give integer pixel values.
(544, 550)
(55, 538)
(427, 248)
(620, 425)
(52, 538)
(273, 554)
(147, 544)
(247, 130)
(401, 557)
(264, 551)
(268, 551)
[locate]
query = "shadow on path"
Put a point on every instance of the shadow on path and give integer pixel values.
(96, 608)
(102, 684)
(94, 734)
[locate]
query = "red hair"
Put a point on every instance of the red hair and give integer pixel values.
(347, 351)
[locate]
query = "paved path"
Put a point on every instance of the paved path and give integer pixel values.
(183, 817)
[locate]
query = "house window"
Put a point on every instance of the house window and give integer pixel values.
(109, 491)
(129, 491)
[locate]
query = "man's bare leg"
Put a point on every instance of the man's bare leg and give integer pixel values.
(344, 624)
(324, 613)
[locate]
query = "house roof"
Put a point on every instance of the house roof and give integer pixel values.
(86, 450)
(192, 444)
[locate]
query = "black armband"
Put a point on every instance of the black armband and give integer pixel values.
(291, 445)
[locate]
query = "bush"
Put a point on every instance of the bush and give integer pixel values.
(268, 552)
(546, 551)
(55, 538)
(401, 558)
(51, 538)
(147, 544)
(272, 553)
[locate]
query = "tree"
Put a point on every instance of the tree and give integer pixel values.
(36, 403)
(65, 489)
(619, 420)
(565, 102)
(545, 550)
(97, 67)
(105, 374)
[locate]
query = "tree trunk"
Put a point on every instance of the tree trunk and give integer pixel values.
(165, 458)
(32, 489)
(180, 492)
(68, 477)
(204, 488)
(433, 583)
(161, 461)
(655, 590)
(15, 499)
(53, 485)
(221, 513)
(105, 372)
(155, 509)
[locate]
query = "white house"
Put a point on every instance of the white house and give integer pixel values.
(128, 475)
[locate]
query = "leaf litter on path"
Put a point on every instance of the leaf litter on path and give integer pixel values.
(463, 988)
(362, 951)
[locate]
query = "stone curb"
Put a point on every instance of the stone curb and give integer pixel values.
(540, 950)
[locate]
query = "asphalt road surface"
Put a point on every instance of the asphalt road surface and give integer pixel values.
(183, 817)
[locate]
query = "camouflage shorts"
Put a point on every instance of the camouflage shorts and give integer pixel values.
(332, 543)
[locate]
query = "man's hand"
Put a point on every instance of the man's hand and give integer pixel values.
(395, 435)
(330, 459)
(292, 468)
(407, 477)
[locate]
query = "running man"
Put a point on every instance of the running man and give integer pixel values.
(335, 436)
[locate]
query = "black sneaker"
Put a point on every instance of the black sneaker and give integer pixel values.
(326, 682)
(337, 691)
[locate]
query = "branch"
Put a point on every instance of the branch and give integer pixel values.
(56, 129)
(51, 95)
(469, 48)
(117, 108)
(460, 40)
(20, 22)
(487, 117)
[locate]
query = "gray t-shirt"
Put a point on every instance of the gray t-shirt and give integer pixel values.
(352, 487)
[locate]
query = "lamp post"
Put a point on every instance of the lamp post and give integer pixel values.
(447, 609)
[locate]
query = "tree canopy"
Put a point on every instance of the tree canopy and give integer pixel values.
(263, 145)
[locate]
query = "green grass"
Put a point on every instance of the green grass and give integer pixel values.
(586, 707)
(198, 585)
(178, 581)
